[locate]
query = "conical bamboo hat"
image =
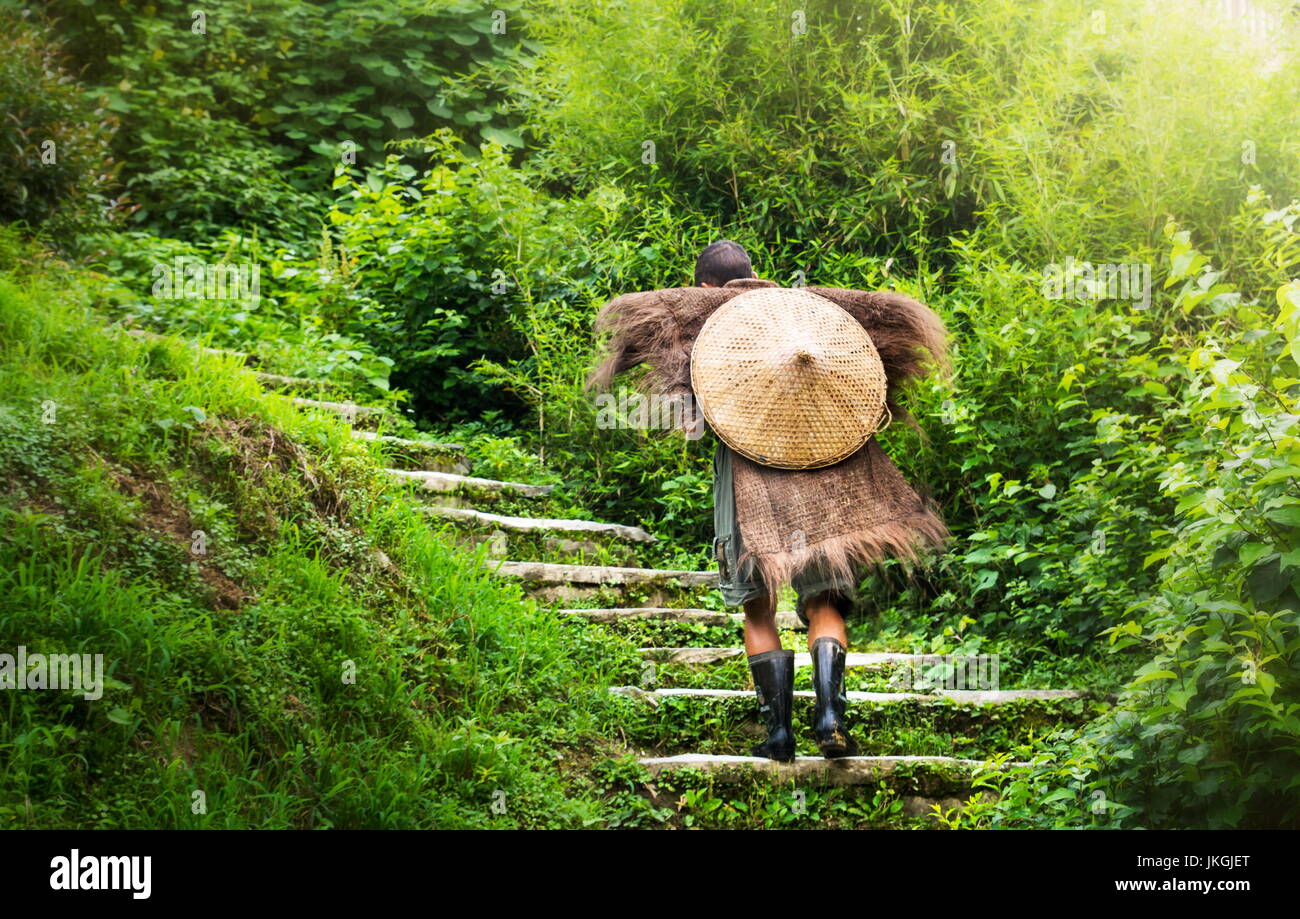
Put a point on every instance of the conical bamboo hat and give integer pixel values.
(788, 378)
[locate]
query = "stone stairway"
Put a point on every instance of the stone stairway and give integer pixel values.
(921, 780)
(716, 724)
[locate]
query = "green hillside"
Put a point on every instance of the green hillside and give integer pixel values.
(357, 549)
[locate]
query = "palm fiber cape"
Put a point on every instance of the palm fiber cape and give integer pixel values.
(827, 522)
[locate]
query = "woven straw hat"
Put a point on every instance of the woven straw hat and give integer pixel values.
(788, 378)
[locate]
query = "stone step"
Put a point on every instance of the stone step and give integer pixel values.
(664, 723)
(420, 455)
(604, 584)
(862, 660)
(541, 524)
(690, 655)
(431, 446)
(450, 482)
(520, 547)
(276, 379)
(979, 697)
(558, 545)
(348, 411)
(848, 770)
(785, 619)
(599, 575)
(155, 336)
(450, 499)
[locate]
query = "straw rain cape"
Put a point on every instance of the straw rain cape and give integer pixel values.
(834, 520)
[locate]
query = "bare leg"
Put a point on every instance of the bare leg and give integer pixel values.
(760, 627)
(824, 621)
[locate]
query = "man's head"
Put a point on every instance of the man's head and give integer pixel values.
(721, 262)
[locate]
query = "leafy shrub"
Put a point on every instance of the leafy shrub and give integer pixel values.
(457, 257)
(1207, 730)
(882, 128)
(203, 175)
(308, 321)
(55, 144)
(237, 118)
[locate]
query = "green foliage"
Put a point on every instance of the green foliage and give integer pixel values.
(309, 319)
(1107, 467)
(1207, 730)
(55, 159)
(1027, 448)
(883, 127)
(235, 119)
(455, 257)
(1216, 710)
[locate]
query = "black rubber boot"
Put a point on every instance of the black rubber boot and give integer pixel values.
(774, 682)
(829, 728)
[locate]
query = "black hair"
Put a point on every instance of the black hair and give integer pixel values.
(721, 262)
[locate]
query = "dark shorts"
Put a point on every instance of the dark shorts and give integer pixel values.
(738, 587)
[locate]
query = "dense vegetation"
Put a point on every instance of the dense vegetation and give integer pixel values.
(438, 206)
